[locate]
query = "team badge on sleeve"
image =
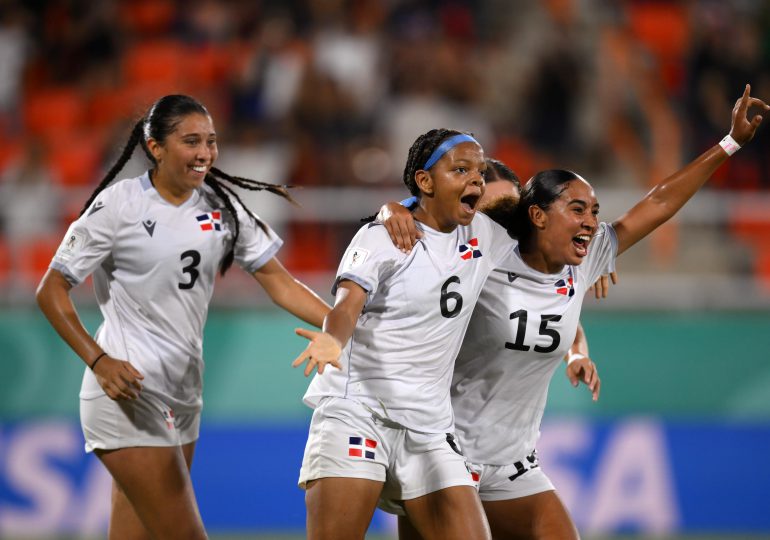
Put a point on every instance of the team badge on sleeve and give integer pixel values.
(71, 244)
(210, 221)
(470, 250)
(361, 447)
(355, 257)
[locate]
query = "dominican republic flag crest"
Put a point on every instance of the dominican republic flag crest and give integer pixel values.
(565, 287)
(361, 447)
(470, 250)
(210, 221)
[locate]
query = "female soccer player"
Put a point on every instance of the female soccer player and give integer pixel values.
(502, 372)
(154, 244)
(383, 424)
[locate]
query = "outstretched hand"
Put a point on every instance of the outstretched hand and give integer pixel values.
(602, 286)
(323, 349)
(399, 223)
(584, 370)
(118, 378)
(743, 129)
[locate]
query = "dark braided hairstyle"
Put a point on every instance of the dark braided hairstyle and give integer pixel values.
(501, 210)
(419, 153)
(497, 170)
(161, 120)
(541, 190)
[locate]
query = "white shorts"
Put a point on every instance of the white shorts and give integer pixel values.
(348, 441)
(146, 421)
(503, 482)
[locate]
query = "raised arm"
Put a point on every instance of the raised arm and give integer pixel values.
(290, 294)
(672, 193)
(325, 347)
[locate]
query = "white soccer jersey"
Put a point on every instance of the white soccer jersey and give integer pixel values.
(154, 266)
(400, 358)
(523, 325)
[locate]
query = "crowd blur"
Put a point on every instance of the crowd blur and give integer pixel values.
(330, 93)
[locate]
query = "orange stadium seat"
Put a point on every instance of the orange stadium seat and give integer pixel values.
(76, 159)
(53, 112)
(664, 28)
(310, 248)
(147, 17)
(5, 262)
(155, 62)
(33, 258)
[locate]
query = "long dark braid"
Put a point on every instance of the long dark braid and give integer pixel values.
(135, 138)
(161, 120)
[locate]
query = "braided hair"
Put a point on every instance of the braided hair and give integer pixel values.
(541, 190)
(419, 153)
(161, 120)
(501, 210)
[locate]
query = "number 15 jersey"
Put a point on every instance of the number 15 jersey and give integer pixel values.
(523, 325)
(154, 265)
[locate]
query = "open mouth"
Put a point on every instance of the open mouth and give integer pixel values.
(469, 202)
(581, 242)
(200, 169)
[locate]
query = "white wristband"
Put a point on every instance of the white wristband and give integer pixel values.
(574, 356)
(729, 145)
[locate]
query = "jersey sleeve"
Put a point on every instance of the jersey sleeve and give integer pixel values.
(255, 245)
(602, 253)
(370, 258)
(89, 240)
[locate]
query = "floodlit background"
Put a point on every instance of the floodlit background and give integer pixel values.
(327, 95)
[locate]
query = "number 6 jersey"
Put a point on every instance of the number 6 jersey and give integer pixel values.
(523, 325)
(154, 265)
(400, 358)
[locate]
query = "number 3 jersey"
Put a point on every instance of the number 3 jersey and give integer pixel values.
(154, 266)
(400, 358)
(522, 326)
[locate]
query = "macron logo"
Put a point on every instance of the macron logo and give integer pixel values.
(98, 205)
(149, 226)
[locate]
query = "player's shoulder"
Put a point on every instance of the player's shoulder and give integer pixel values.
(118, 195)
(374, 237)
(125, 190)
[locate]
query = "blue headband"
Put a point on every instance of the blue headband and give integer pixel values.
(446, 146)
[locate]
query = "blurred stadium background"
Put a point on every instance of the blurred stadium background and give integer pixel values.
(327, 95)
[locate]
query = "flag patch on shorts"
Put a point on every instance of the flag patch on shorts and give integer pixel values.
(361, 447)
(168, 416)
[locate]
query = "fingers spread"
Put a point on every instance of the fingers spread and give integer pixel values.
(305, 333)
(301, 358)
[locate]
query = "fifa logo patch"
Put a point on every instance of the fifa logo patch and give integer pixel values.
(565, 288)
(361, 447)
(210, 221)
(470, 250)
